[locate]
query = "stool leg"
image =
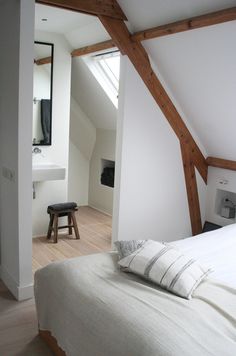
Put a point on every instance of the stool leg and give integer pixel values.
(55, 228)
(69, 223)
(75, 225)
(50, 226)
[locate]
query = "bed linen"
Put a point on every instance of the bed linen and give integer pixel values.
(217, 249)
(94, 309)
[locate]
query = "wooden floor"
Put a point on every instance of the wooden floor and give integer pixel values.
(95, 236)
(18, 322)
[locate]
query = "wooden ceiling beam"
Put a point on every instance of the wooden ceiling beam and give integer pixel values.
(209, 19)
(101, 46)
(42, 61)
(91, 7)
(221, 163)
(168, 29)
(138, 56)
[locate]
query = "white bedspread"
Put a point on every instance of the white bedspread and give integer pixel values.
(214, 248)
(93, 309)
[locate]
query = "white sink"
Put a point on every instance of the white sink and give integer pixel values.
(47, 171)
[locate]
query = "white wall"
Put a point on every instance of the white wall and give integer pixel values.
(16, 94)
(52, 192)
(202, 194)
(153, 202)
(82, 141)
(219, 179)
(78, 179)
(100, 196)
(82, 131)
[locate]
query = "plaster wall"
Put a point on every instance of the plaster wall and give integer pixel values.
(91, 97)
(16, 88)
(150, 196)
(52, 192)
(101, 196)
(82, 141)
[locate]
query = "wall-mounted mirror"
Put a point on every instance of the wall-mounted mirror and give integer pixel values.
(42, 97)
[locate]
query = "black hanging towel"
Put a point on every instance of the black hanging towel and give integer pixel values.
(46, 120)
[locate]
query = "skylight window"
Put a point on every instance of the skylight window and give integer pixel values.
(106, 69)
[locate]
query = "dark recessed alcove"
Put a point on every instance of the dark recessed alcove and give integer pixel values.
(108, 172)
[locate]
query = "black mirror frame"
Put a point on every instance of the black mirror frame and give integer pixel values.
(51, 91)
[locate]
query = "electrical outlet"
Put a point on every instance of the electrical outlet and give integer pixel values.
(8, 174)
(223, 181)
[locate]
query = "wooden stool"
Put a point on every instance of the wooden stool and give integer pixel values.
(58, 210)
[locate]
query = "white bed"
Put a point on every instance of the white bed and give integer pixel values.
(94, 309)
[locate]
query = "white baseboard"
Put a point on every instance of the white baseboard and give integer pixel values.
(19, 292)
(101, 211)
(26, 292)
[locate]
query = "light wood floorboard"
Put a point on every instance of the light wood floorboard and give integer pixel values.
(18, 320)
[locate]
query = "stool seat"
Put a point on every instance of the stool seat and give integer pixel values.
(58, 210)
(62, 206)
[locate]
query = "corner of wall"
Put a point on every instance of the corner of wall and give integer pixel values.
(119, 144)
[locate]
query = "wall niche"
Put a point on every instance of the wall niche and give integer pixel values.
(225, 204)
(108, 172)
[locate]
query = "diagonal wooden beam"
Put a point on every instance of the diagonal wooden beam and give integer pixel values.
(209, 19)
(191, 187)
(92, 7)
(221, 163)
(93, 48)
(138, 56)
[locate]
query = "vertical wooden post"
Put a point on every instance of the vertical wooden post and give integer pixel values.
(191, 187)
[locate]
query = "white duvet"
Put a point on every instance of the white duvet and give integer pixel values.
(94, 309)
(216, 248)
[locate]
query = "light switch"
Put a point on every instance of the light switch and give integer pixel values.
(8, 174)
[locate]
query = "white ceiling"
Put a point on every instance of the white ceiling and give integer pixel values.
(79, 29)
(143, 14)
(91, 97)
(199, 68)
(59, 20)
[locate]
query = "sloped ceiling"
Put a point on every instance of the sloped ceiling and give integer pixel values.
(198, 66)
(91, 97)
(150, 13)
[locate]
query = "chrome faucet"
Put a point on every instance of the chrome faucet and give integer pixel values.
(36, 150)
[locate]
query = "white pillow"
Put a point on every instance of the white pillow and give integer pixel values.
(126, 247)
(167, 267)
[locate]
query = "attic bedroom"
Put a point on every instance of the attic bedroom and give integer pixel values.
(134, 160)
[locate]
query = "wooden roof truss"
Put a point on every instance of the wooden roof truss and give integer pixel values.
(112, 17)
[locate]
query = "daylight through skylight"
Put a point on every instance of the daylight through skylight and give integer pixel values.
(110, 64)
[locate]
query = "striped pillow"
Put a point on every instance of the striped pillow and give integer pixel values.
(126, 247)
(167, 267)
